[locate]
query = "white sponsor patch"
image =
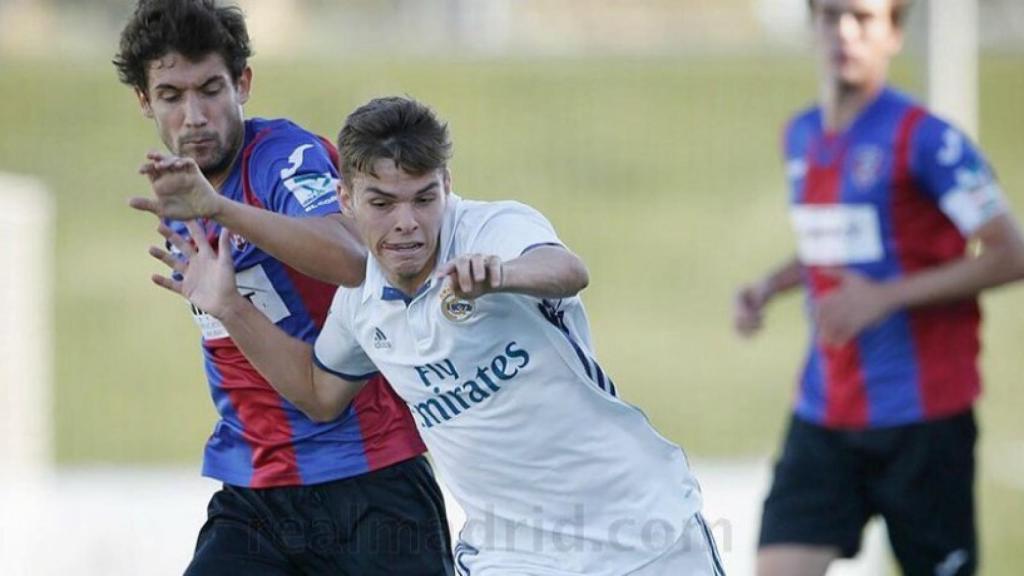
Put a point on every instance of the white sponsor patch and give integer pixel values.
(256, 287)
(834, 235)
(312, 190)
(976, 199)
(796, 168)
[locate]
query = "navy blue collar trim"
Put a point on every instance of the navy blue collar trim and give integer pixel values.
(392, 293)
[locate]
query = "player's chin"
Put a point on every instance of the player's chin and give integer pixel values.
(404, 266)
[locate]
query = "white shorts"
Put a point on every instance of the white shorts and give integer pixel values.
(694, 554)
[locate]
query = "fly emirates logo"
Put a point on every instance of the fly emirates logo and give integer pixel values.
(464, 391)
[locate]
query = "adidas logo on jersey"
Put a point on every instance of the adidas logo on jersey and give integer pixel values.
(380, 340)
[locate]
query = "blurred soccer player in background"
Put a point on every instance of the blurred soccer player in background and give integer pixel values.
(348, 495)
(886, 202)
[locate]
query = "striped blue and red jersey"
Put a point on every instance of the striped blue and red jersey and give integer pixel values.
(261, 439)
(897, 192)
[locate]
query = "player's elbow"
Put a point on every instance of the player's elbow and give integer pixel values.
(577, 277)
(580, 277)
(353, 271)
(1009, 259)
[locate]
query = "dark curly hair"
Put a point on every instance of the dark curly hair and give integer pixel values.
(193, 28)
(393, 128)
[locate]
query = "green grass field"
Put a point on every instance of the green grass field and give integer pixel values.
(662, 173)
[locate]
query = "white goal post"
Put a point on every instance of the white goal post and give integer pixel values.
(952, 56)
(26, 255)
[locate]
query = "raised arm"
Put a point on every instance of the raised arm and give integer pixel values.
(548, 271)
(323, 247)
(208, 282)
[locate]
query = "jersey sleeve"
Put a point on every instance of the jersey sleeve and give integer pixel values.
(293, 174)
(336, 349)
(512, 230)
(946, 164)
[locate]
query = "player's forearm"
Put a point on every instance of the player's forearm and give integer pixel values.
(782, 279)
(545, 272)
(956, 280)
(1001, 260)
(285, 362)
(320, 247)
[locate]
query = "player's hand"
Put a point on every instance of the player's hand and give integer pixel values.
(856, 303)
(180, 191)
(748, 308)
(207, 276)
(473, 275)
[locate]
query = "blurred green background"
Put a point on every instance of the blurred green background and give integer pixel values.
(662, 172)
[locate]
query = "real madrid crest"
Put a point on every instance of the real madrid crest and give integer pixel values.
(454, 308)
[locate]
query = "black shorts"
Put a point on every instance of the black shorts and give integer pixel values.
(389, 521)
(919, 478)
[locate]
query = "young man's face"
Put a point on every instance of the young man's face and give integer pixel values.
(855, 39)
(399, 218)
(197, 108)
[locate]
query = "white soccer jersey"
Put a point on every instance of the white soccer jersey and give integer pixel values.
(556, 474)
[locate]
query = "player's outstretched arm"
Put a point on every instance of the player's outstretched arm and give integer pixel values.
(549, 271)
(751, 299)
(208, 281)
(323, 247)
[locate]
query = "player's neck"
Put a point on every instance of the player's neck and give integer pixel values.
(842, 104)
(411, 285)
(218, 178)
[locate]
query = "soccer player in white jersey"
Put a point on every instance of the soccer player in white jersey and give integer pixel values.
(470, 309)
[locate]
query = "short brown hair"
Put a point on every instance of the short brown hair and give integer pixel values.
(394, 128)
(899, 10)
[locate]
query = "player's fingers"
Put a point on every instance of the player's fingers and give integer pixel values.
(464, 275)
(446, 269)
(495, 271)
(224, 246)
(166, 162)
(478, 268)
(176, 240)
(187, 164)
(198, 237)
(144, 205)
(167, 258)
(166, 283)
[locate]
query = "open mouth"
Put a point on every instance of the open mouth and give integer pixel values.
(402, 247)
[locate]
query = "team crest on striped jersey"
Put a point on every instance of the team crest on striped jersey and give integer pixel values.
(867, 166)
(454, 308)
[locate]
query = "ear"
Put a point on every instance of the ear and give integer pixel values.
(897, 41)
(345, 197)
(447, 179)
(244, 85)
(144, 105)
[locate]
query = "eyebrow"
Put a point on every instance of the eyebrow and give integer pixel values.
(424, 190)
(205, 84)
